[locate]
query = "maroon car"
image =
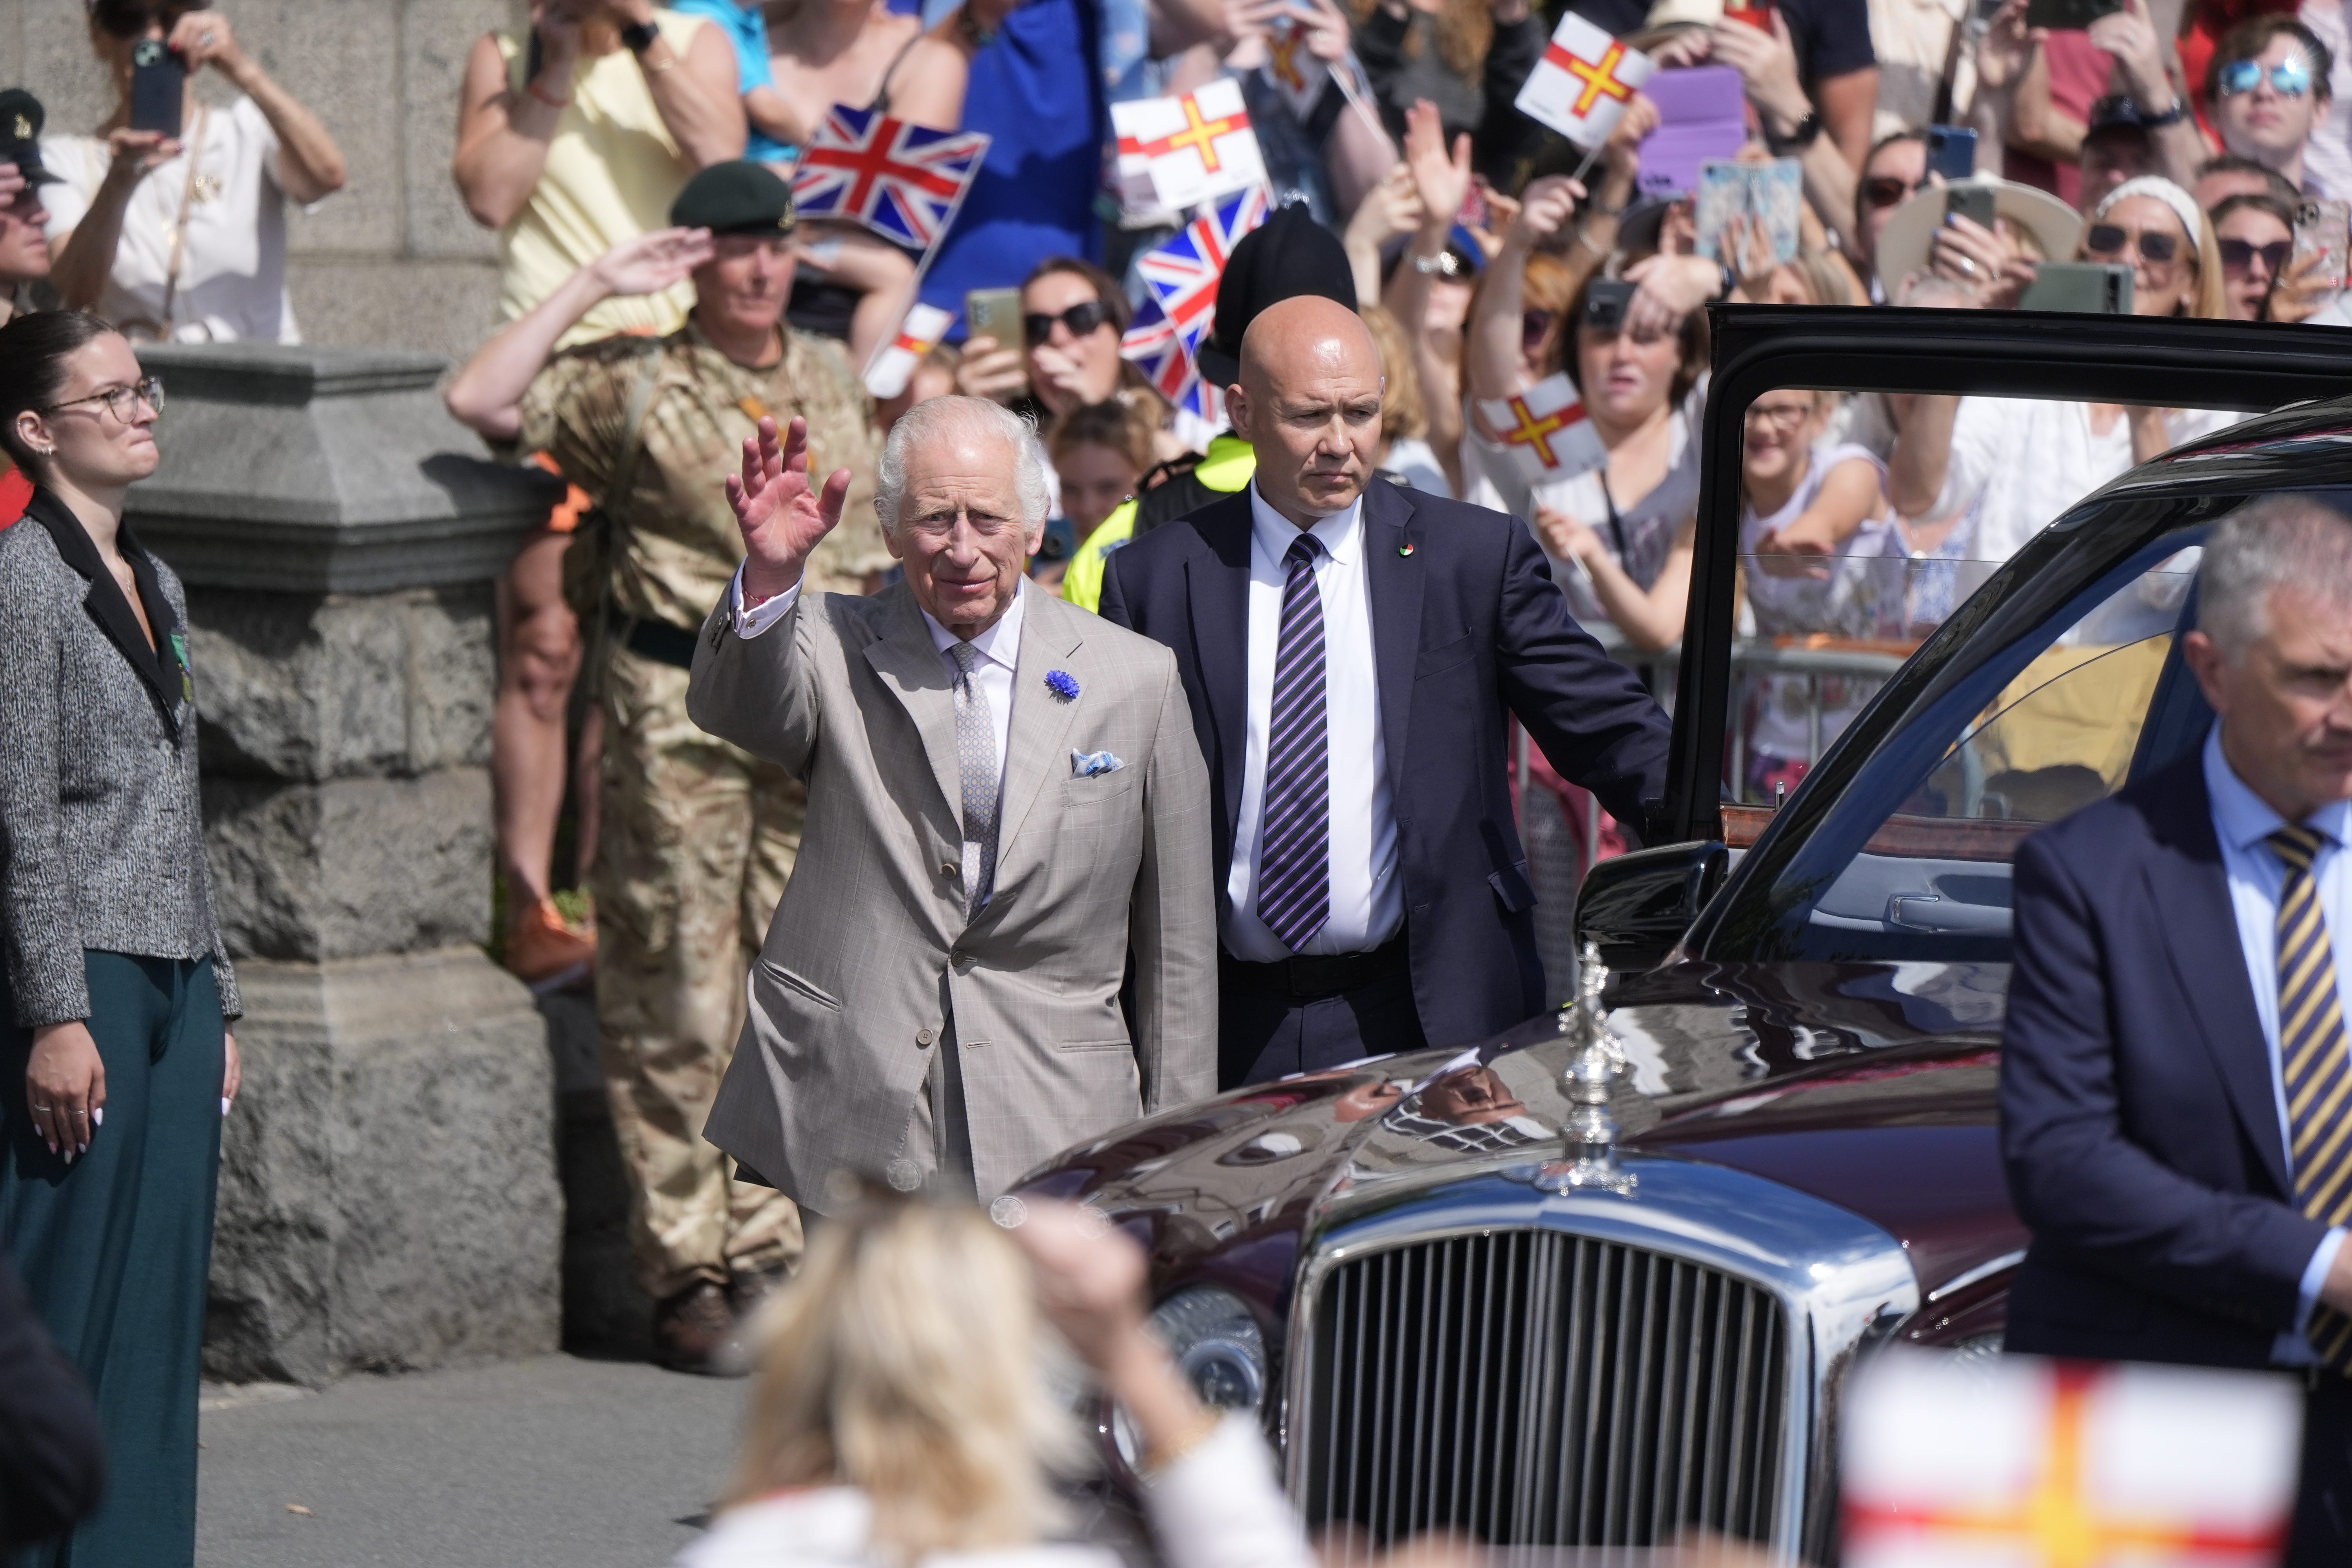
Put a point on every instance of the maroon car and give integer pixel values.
(1463, 1294)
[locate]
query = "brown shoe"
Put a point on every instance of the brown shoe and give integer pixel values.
(545, 953)
(694, 1331)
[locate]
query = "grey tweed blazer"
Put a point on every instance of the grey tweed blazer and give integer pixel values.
(101, 832)
(870, 955)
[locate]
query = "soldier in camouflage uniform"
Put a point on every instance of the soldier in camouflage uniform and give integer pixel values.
(698, 837)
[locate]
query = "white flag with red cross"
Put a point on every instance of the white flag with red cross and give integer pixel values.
(1583, 81)
(1189, 150)
(1546, 430)
(1291, 68)
(893, 364)
(2012, 1462)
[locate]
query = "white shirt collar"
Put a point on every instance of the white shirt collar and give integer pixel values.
(1340, 533)
(1000, 643)
(2242, 818)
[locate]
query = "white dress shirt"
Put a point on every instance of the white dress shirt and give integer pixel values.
(2257, 876)
(999, 648)
(1367, 904)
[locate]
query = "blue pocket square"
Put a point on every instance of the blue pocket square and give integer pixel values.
(1087, 764)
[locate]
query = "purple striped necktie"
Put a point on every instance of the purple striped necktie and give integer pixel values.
(1293, 863)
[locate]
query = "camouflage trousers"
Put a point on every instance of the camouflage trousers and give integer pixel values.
(697, 839)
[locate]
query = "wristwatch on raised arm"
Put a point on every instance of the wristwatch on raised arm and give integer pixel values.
(639, 37)
(1806, 133)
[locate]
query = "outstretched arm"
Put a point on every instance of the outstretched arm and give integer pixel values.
(1587, 711)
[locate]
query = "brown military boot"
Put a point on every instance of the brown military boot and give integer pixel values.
(747, 1290)
(694, 1331)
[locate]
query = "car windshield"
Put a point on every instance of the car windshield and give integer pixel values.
(2035, 703)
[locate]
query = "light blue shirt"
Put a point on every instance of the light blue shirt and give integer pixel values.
(746, 27)
(2257, 876)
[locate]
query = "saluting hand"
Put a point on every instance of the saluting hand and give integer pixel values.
(784, 517)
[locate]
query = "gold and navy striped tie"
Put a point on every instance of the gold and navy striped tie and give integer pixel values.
(2317, 1070)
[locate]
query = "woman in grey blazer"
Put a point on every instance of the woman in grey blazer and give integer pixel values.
(116, 1063)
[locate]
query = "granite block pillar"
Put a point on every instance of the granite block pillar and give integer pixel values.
(388, 1186)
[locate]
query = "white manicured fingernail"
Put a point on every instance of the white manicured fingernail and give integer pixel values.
(97, 1117)
(224, 1105)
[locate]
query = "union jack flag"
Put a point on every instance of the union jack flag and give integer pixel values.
(1183, 274)
(904, 182)
(1153, 346)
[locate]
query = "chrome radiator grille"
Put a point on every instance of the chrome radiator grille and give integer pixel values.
(1526, 1387)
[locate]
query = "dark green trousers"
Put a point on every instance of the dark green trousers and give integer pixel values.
(115, 1248)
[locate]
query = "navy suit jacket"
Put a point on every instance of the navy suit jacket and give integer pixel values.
(2137, 1121)
(1467, 628)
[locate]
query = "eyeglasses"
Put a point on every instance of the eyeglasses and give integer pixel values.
(2237, 255)
(1787, 416)
(1082, 318)
(1534, 326)
(2290, 78)
(1884, 191)
(2110, 238)
(122, 402)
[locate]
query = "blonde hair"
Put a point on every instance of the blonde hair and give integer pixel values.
(1403, 414)
(1464, 30)
(907, 1358)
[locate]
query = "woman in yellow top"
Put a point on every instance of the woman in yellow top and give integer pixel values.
(578, 134)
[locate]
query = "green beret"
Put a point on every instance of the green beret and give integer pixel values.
(737, 197)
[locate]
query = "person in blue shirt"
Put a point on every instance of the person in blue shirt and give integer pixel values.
(746, 27)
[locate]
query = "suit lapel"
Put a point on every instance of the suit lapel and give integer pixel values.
(911, 667)
(2190, 886)
(1394, 578)
(1217, 585)
(110, 608)
(1036, 749)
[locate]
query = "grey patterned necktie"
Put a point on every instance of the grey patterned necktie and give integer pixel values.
(976, 754)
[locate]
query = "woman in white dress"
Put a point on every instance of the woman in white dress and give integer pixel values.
(184, 239)
(1812, 524)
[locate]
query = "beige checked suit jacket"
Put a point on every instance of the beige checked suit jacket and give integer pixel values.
(870, 955)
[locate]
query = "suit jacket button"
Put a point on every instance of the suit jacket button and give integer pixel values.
(922, 1037)
(948, 867)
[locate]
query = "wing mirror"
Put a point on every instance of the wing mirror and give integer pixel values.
(1637, 906)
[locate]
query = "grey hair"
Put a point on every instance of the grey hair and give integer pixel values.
(2279, 541)
(934, 418)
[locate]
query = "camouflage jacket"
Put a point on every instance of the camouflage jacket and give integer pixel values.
(676, 543)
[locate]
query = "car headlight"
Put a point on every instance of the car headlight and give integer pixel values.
(1216, 1343)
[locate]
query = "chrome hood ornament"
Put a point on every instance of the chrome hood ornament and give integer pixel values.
(1588, 1136)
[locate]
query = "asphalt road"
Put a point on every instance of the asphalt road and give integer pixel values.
(555, 1461)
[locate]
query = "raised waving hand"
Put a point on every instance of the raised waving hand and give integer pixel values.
(783, 516)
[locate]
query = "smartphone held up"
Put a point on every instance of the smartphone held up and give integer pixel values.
(159, 83)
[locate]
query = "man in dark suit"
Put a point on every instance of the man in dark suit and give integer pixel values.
(1352, 651)
(2176, 1090)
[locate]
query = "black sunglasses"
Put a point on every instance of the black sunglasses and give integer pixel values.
(2109, 239)
(1082, 318)
(1534, 326)
(2237, 255)
(1887, 190)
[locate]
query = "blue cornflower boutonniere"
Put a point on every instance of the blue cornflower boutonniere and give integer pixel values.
(1061, 684)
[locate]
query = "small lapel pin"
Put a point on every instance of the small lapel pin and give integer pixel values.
(1406, 548)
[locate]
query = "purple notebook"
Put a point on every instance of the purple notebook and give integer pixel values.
(1702, 116)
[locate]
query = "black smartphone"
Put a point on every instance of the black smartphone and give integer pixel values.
(1974, 203)
(157, 81)
(1951, 151)
(2071, 16)
(1605, 299)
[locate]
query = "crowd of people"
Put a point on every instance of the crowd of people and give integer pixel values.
(668, 309)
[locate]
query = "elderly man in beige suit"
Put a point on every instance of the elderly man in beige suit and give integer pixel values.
(1005, 801)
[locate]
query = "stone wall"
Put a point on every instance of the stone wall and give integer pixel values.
(391, 261)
